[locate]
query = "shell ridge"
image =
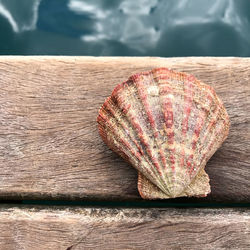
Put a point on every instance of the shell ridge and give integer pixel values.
(188, 93)
(143, 139)
(147, 99)
(195, 124)
(110, 128)
(127, 150)
(205, 130)
(189, 120)
(167, 110)
(141, 148)
(193, 165)
(141, 91)
(176, 94)
(197, 130)
(136, 125)
(117, 137)
(211, 148)
(209, 130)
(160, 77)
(116, 112)
(188, 90)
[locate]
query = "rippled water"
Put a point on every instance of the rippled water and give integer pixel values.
(125, 27)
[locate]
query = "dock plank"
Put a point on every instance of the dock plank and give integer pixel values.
(49, 143)
(96, 228)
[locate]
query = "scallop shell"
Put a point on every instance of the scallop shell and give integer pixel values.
(167, 125)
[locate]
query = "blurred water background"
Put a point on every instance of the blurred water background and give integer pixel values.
(125, 27)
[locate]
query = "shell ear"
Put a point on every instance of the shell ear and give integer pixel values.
(148, 190)
(199, 187)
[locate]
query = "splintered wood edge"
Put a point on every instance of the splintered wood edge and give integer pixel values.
(50, 147)
(94, 228)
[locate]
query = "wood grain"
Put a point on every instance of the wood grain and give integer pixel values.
(94, 228)
(49, 144)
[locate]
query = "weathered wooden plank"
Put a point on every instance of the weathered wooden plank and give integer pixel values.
(49, 144)
(94, 228)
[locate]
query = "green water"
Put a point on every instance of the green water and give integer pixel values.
(125, 28)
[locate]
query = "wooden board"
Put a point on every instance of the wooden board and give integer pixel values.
(94, 228)
(49, 143)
